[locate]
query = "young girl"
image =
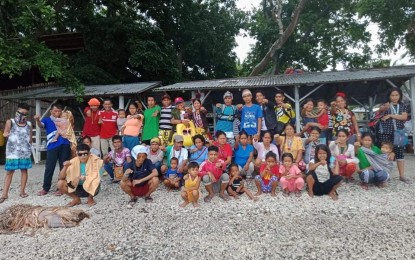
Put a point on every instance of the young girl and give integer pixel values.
(190, 191)
(244, 155)
(264, 148)
(121, 120)
(311, 143)
(88, 141)
(291, 179)
(267, 180)
(344, 154)
(321, 179)
(132, 127)
(18, 149)
(236, 185)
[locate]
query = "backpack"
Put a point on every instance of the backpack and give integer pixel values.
(222, 116)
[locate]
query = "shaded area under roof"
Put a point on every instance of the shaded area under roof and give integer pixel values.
(90, 91)
(309, 78)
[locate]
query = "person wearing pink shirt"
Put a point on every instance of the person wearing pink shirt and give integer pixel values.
(291, 179)
(212, 173)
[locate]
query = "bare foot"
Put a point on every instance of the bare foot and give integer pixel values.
(255, 198)
(382, 185)
(258, 193)
(74, 202)
(364, 186)
(311, 194)
(224, 197)
(184, 204)
(195, 204)
(273, 194)
(91, 202)
(236, 197)
(333, 196)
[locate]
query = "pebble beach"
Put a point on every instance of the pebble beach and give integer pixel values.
(362, 224)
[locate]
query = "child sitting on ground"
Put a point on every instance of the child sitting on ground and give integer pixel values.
(236, 185)
(190, 191)
(291, 180)
(267, 180)
(172, 176)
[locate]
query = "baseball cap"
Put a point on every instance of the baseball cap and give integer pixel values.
(178, 100)
(94, 102)
(227, 94)
(165, 96)
(138, 149)
(178, 138)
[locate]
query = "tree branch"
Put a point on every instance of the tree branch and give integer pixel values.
(260, 67)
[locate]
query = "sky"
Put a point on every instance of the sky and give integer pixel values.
(244, 42)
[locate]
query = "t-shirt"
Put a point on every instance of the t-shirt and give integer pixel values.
(208, 166)
(224, 151)
(170, 174)
(322, 172)
(249, 118)
(199, 156)
(119, 157)
(156, 156)
(165, 118)
(225, 118)
(293, 171)
(242, 154)
(91, 126)
(133, 126)
(50, 128)
(363, 161)
(291, 146)
(142, 171)
(109, 123)
(182, 154)
(275, 170)
(151, 123)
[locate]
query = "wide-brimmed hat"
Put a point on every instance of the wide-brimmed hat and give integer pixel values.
(138, 149)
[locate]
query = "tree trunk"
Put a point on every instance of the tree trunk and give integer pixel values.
(260, 67)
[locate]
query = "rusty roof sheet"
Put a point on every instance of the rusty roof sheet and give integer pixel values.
(90, 91)
(308, 78)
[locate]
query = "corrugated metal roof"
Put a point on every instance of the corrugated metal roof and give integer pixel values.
(310, 78)
(90, 91)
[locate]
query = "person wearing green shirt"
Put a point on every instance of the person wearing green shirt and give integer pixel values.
(151, 121)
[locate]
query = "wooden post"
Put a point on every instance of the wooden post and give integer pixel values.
(121, 102)
(297, 108)
(412, 92)
(36, 156)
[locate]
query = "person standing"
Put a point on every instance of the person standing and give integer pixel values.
(395, 115)
(108, 121)
(269, 121)
(226, 114)
(251, 116)
(151, 120)
(56, 151)
(91, 126)
(283, 111)
(18, 149)
(165, 127)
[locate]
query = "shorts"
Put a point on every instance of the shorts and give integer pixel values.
(18, 164)
(140, 191)
(266, 187)
(82, 193)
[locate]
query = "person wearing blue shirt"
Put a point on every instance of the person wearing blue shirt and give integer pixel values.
(244, 155)
(251, 116)
(58, 150)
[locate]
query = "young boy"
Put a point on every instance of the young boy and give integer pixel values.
(212, 173)
(173, 177)
(251, 116)
(122, 117)
(190, 191)
(387, 148)
(118, 160)
(237, 185)
(108, 121)
(88, 141)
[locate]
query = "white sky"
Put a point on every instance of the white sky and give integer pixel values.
(244, 43)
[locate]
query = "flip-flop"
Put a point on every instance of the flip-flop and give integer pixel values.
(2, 200)
(23, 195)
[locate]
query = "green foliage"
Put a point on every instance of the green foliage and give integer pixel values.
(396, 21)
(327, 34)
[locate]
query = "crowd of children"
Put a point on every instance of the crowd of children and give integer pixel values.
(172, 145)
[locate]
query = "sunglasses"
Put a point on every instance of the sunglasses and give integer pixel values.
(23, 114)
(83, 154)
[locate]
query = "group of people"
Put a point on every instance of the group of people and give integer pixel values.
(171, 145)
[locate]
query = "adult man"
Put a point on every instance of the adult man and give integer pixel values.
(81, 176)
(108, 121)
(283, 111)
(118, 160)
(91, 126)
(226, 114)
(141, 180)
(165, 132)
(269, 120)
(58, 150)
(176, 150)
(251, 116)
(151, 120)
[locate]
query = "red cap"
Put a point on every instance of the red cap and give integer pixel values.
(178, 100)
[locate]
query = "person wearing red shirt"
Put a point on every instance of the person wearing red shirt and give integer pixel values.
(91, 126)
(212, 173)
(269, 174)
(225, 149)
(108, 121)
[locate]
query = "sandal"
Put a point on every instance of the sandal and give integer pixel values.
(2, 200)
(298, 194)
(148, 199)
(42, 193)
(132, 202)
(207, 199)
(23, 195)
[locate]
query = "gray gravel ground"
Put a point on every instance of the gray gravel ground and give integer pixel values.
(374, 224)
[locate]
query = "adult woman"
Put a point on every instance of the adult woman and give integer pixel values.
(291, 144)
(263, 148)
(198, 151)
(395, 115)
(322, 179)
(198, 116)
(225, 149)
(343, 118)
(369, 173)
(132, 127)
